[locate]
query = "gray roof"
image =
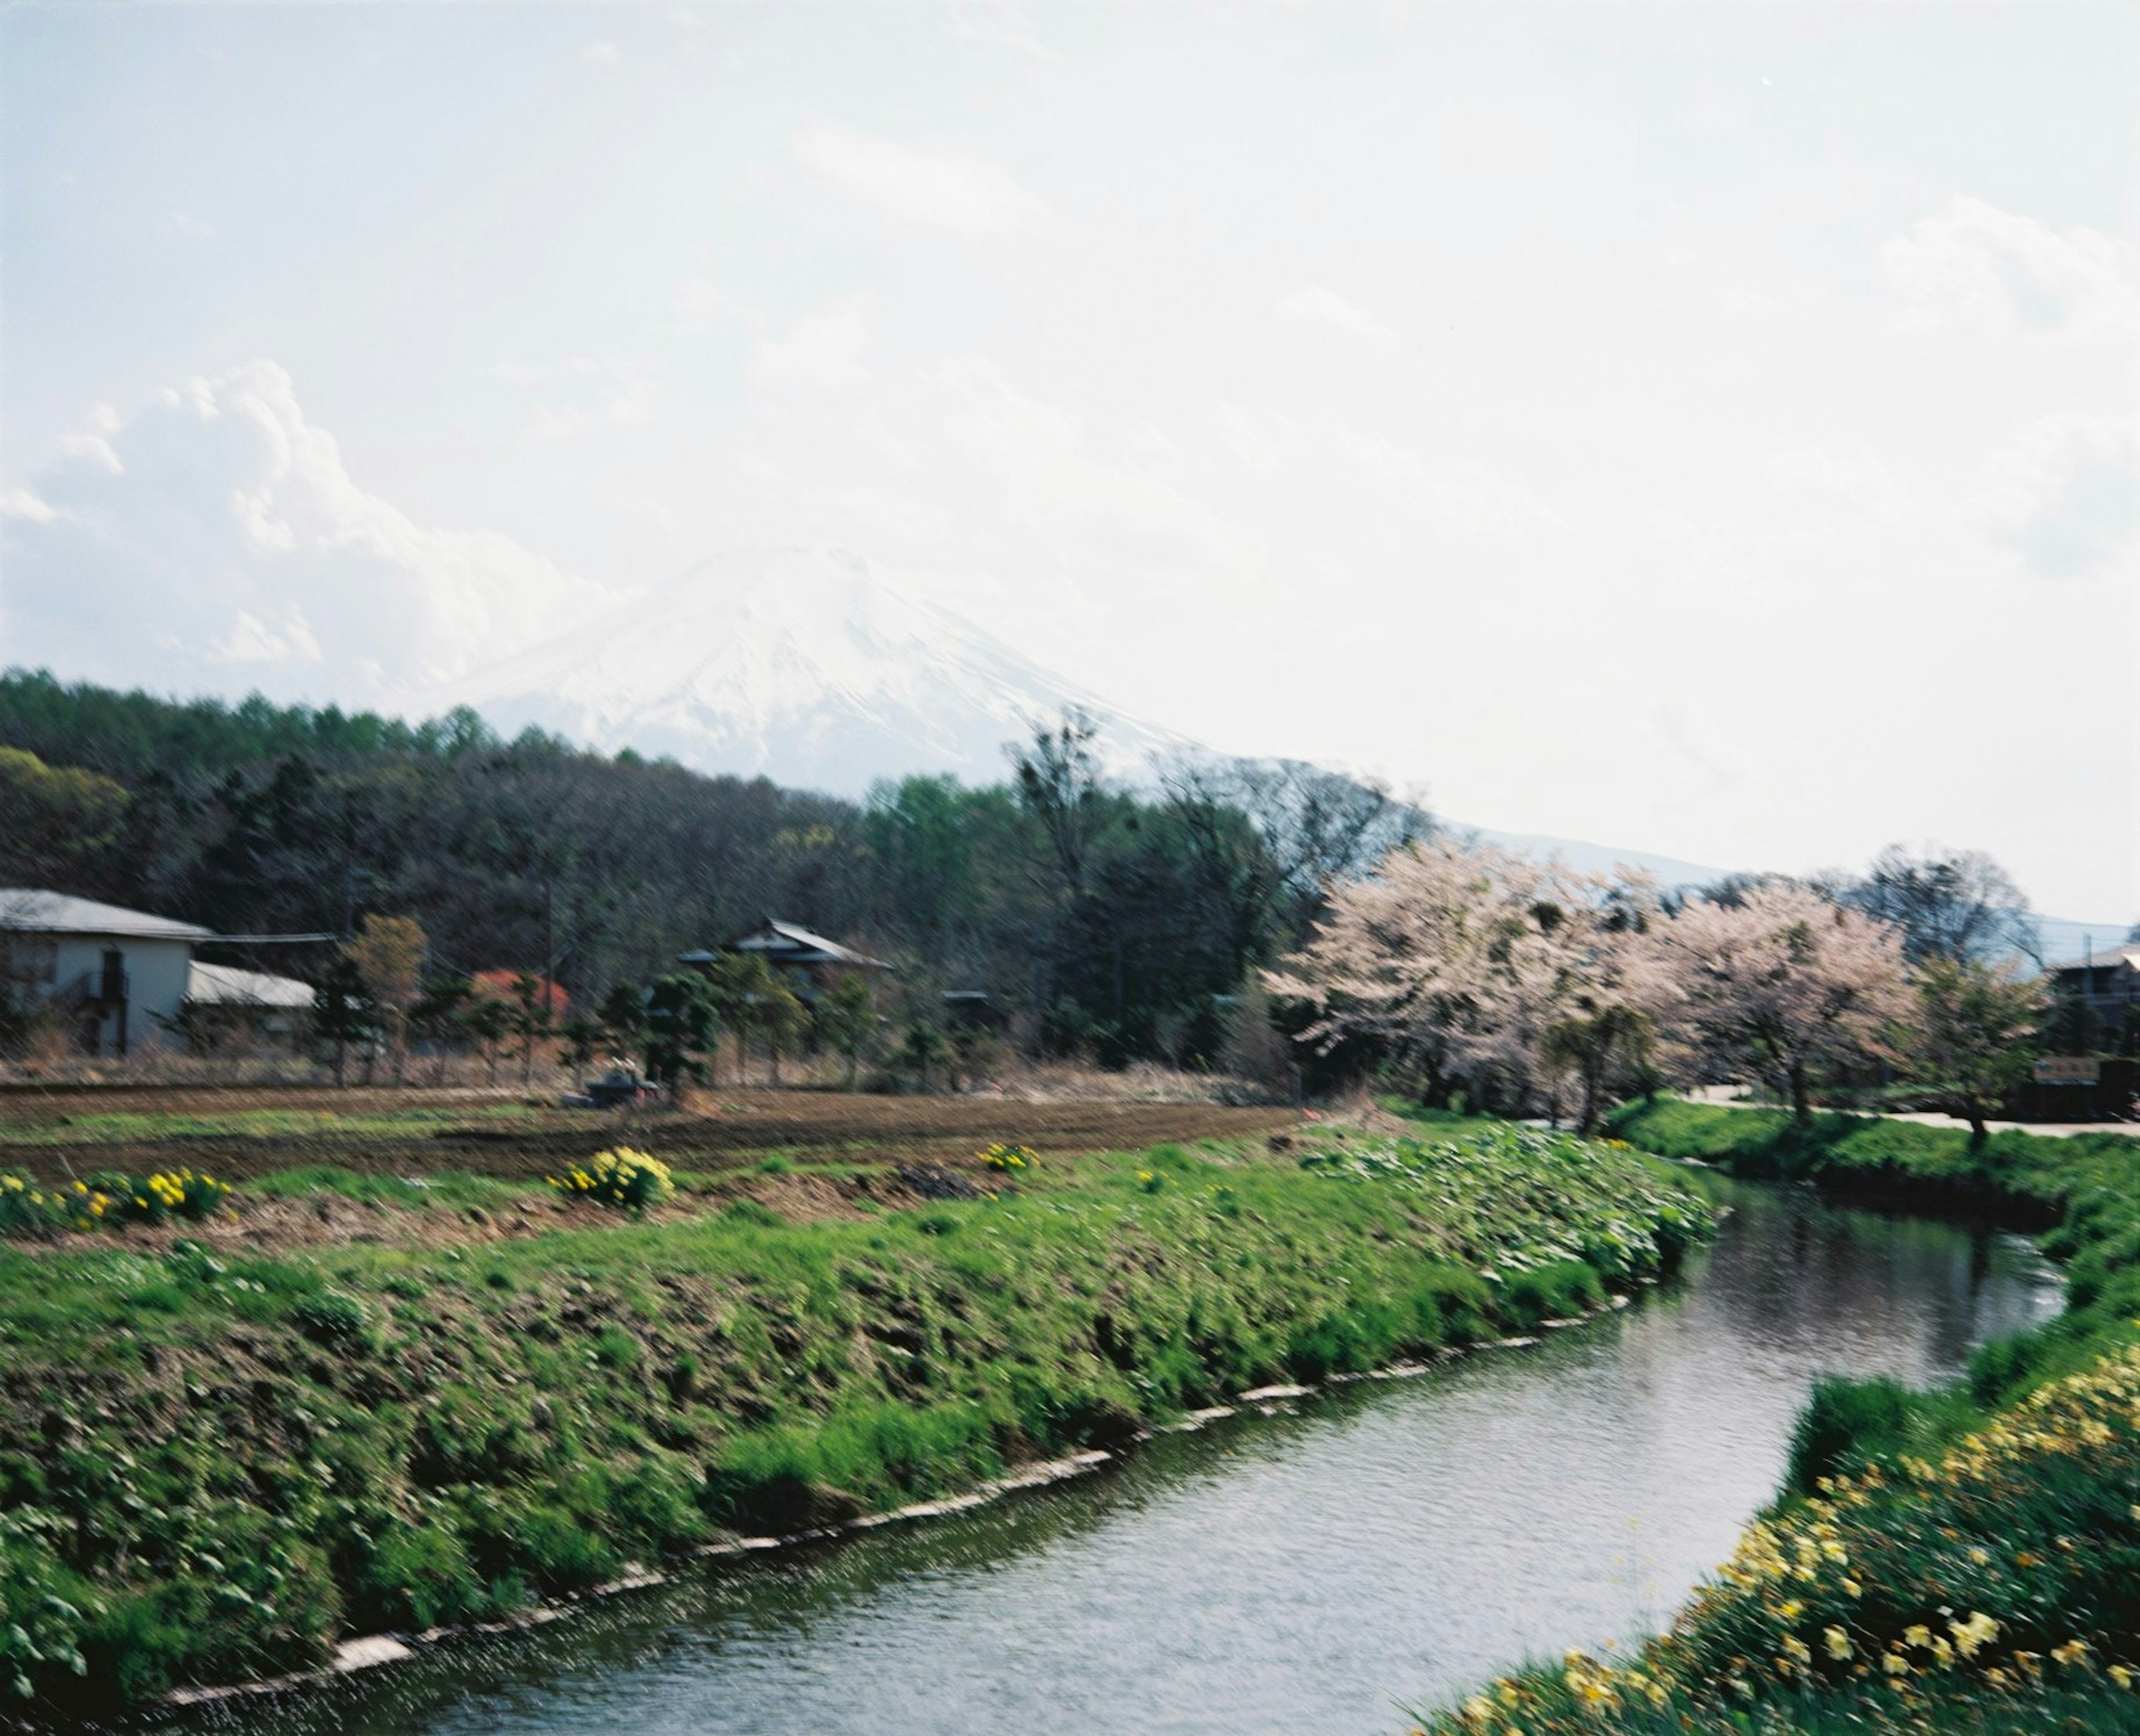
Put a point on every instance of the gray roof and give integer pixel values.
(2128, 956)
(225, 985)
(31, 910)
(794, 945)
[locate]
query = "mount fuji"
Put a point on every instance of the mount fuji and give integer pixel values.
(806, 666)
(801, 665)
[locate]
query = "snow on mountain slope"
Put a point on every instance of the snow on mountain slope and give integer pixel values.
(801, 664)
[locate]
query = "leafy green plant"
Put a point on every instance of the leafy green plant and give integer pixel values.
(332, 1318)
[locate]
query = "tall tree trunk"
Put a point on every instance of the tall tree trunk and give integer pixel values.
(1801, 1095)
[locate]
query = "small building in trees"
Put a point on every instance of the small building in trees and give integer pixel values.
(226, 1004)
(2107, 983)
(810, 962)
(114, 978)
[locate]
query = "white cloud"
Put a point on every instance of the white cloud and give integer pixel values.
(1319, 306)
(1475, 501)
(600, 54)
(2066, 497)
(700, 305)
(999, 27)
(1753, 302)
(573, 396)
(922, 187)
(184, 222)
(823, 349)
(89, 448)
(1974, 268)
(217, 542)
(1263, 440)
(1384, 460)
(22, 504)
(1465, 500)
(1858, 479)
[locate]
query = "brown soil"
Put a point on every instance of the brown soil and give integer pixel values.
(729, 1130)
(332, 1220)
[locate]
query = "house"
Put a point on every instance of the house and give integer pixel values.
(116, 976)
(2107, 981)
(223, 1001)
(811, 960)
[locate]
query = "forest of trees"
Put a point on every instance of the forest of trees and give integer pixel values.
(1225, 904)
(1102, 921)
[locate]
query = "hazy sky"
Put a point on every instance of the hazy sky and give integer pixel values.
(1710, 428)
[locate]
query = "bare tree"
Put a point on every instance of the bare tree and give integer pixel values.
(1058, 781)
(1319, 827)
(1957, 905)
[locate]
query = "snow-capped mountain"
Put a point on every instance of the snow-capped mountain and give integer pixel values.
(803, 665)
(806, 666)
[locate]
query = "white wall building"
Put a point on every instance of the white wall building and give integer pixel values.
(119, 977)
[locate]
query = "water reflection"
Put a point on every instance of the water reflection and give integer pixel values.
(1303, 1572)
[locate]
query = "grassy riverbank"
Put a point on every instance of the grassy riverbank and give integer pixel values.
(214, 1463)
(1966, 1561)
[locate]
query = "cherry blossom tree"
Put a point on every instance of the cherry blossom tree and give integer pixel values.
(1784, 981)
(1467, 962)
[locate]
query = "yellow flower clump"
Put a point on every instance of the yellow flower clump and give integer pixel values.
(627, 1179)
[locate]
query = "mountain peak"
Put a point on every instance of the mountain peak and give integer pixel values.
(804, 665)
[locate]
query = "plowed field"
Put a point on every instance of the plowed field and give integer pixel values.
(51, 1134)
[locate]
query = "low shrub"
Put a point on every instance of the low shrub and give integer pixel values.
(107, 1202)
(625, 1180)
(1009, 1160)
(1848, 1423)
(332, 1318)
(750, 1211)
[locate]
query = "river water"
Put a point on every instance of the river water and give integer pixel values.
(1311, 1570)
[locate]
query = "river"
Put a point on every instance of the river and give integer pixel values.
(1308, 1571)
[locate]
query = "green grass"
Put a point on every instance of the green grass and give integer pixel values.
(213, 1466)
(117, 1128)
